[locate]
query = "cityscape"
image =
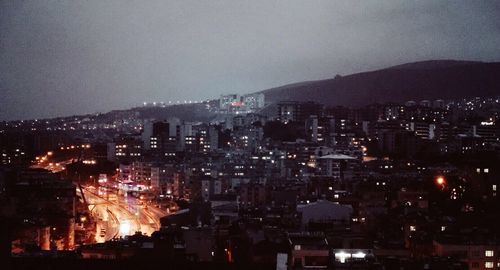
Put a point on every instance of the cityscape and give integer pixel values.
(308, 185)
(392, 168)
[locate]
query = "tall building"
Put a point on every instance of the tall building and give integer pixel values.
(254, 101)
(185, 130)
(226, 101)
(294, 111)
(235, 103)
(320, 129)
(147, 132)
(124, 149)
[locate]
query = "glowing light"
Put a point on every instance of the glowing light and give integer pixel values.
(342, 256)
(359, 255)
(440, 181)
(89, 162)
(124, 228)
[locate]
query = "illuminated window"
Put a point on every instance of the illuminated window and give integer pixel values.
(413, 228)
(489, 253)
(342, 256)
(359, 255)
(486, 170)
(488, 265)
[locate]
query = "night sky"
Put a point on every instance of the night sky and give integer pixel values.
(62, 58)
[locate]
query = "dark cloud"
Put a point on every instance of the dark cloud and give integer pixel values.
(72, 57)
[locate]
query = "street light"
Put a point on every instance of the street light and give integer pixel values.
(440, 181)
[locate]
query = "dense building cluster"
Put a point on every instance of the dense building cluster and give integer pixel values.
(291, 185)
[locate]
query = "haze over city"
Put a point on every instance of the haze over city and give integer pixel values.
(263, 134)
(60, 58)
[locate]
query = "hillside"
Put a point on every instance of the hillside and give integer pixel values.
(441, 79)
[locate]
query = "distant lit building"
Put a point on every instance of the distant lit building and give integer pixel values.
(237, 104)
(124, 149)
(227, 101)
(294, 111)
(254, 101)
(476, 252)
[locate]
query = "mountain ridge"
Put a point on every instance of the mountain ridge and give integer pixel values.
(434, 79)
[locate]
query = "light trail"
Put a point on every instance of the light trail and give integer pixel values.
(127, 215)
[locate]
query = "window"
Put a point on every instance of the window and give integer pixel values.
(475, 265)
(488, 265)
(413, 228)
(342, 256)
(489, 253)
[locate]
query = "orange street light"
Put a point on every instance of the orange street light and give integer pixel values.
(440, 181)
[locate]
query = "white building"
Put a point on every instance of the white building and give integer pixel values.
(324, 211)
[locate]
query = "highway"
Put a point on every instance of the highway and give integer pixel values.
(119, 215)
(116, 215)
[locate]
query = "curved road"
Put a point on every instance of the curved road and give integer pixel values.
(121, 216)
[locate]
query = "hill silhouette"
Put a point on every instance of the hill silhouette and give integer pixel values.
(436, 79)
